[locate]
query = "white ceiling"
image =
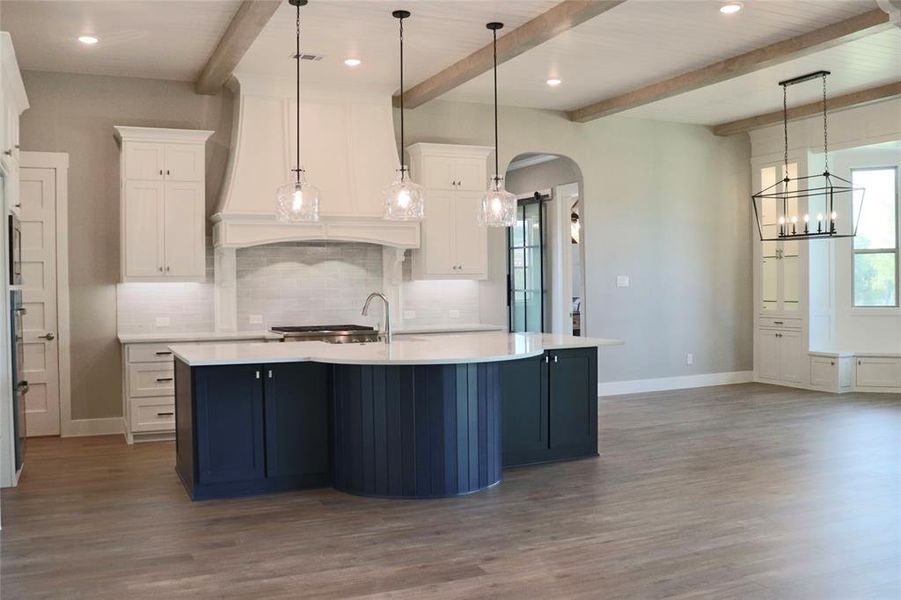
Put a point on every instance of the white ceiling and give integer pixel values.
(638, 42)
(438, 33)
(162, 39)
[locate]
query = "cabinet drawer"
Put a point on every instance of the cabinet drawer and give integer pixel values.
(153, 414)
(149, 379)
(143, 353)
(780, 323)
(879, 372)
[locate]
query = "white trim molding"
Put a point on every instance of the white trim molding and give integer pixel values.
(660, 384)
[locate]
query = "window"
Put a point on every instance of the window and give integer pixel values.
(876, 243)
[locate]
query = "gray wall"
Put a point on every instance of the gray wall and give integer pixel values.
(543, 176)
(664, 203)
(76, 114)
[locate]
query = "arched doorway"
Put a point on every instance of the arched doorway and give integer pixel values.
(545, 250)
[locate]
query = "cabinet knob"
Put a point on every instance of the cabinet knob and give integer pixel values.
(167, 171)
(161, 171)
(167, 269)
(832, 362)
(8, 152)
(161, 269)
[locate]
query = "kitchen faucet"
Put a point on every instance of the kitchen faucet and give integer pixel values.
(387, 312)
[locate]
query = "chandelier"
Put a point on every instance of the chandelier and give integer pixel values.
(832, 200)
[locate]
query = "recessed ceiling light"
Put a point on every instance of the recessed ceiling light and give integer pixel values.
(731, 8)
(353, 62)
(554, 82)
(88, 40)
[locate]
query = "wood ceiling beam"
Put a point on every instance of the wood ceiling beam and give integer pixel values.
(249, 20)
(882, 92)
(560, 18)
(815, 41)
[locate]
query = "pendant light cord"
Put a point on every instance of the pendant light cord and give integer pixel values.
(496, 168)
(785, 125)
(403, 170)
(825, 130)
(297, 81)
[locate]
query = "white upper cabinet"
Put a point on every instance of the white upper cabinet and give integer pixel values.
(13, 102)
(162, 204)
(454, 245)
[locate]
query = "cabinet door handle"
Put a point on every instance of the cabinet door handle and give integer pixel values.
(8, 152)
(165, 414)
(832, 362)
(167, 171)
(167, 353)
(163, 379)
(258, 374)
(167, 269)
(555, 358)
(270, 373)
(161, 171)
(161, 269)
(547, 359)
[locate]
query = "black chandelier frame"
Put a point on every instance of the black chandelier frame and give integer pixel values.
(828, 186)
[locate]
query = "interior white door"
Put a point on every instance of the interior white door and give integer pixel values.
(41, 368)
(183, 223)
(143, 229)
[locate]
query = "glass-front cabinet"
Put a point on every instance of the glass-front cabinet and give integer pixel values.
(780, 262)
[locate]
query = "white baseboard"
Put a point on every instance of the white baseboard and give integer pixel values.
(637, 386)
(84, 427)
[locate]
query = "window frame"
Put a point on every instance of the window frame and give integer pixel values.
(896, 250)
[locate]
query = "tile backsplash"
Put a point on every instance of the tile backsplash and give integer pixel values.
(295, 283)
(307, 283)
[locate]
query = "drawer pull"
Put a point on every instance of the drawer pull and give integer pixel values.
(777, 322)
(163, 379)
(165, 414)
(167, 353)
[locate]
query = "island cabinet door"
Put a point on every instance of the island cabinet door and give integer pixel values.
(524, 409)
(229, 423)
(297, 420)
(572, 381)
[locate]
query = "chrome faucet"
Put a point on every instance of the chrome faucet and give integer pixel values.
(387, 312)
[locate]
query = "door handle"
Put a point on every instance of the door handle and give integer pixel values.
(22, 311)
(47, 336)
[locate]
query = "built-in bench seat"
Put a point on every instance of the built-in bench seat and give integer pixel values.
(842, 371)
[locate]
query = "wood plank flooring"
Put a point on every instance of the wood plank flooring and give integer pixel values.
(747, 491)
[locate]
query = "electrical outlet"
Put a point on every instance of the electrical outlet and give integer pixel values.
(163, 321)
(689, 359)
(453, 314)
(622, 281)
(409, 314)
(256, 319)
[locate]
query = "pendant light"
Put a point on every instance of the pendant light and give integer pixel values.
(827, 195)
(498, 207)
(298, 201)
(404, 199)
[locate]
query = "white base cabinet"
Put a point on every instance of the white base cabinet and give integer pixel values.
(149, 392)
(162, 204)
(831, 373)
(453, 244)
(878, 373)
(782, 356)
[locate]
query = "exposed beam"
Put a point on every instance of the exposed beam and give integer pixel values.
(249, 20)
(560, 18)
(736, 66)
(882, 92)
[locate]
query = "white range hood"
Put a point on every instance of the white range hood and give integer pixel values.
(348, 150)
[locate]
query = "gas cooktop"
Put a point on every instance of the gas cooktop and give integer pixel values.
(335, 334)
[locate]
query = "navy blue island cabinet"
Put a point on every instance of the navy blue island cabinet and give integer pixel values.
(405, 431)
(246, 429)
(550, 407)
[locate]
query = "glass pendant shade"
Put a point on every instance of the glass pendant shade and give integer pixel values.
(298, 201)
(404, 199)
(498, 207)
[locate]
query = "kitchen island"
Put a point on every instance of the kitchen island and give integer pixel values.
(422, 417)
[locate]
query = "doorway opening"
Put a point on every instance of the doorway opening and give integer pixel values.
(545, 250)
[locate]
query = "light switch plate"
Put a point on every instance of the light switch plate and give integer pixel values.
(409, 314)
(256, 319)
(163, 321)
(689, 359)
(453, 314)
(622, 281)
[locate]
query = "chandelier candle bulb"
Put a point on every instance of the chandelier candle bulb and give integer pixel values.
(806, 223)
(781, 226)
(820, 223)
(794, 225)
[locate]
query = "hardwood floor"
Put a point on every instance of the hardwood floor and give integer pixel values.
(748, 491)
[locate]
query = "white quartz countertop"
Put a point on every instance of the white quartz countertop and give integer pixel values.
(404, 350)
(209, 336)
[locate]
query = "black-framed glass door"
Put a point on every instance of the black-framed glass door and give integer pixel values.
(525, 266)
